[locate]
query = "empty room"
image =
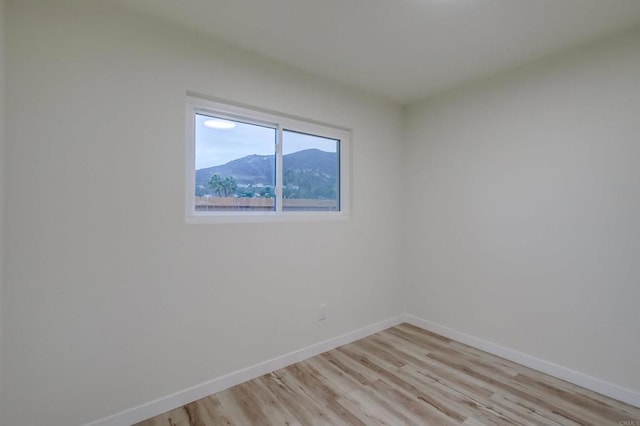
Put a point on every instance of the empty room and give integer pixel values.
(285, 212)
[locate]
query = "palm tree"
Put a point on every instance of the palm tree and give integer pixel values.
(229, 186)
(223, 187)
(216, 185)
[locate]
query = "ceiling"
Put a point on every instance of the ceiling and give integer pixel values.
(403, 50)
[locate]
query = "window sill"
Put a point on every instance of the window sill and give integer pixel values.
(213, 218)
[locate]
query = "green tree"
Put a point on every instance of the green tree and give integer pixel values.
(215, 183)
(223, 187)
(267, 192)
(230, 186)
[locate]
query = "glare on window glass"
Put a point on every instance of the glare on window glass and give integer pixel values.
(235, 165)
(310, 172)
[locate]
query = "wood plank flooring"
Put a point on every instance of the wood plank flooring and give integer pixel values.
(403, 376)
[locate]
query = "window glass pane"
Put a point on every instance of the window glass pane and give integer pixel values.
(310, 167)
(235, 165)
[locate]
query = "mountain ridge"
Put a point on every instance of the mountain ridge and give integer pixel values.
(310, 171)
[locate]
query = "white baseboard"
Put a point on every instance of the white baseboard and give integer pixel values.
(600, 386)
(178, 399)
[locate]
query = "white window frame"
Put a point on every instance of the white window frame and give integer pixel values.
(280, 122)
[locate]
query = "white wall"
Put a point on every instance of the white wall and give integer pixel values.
(521, 215)
(524, 214)
(112, 299)
(2, 97)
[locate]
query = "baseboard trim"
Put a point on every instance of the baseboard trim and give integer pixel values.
(178, 399)
(597, 385)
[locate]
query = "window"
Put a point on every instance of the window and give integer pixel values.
(249, 165)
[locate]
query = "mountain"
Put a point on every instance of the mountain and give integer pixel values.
(310, 172)
(249, 170)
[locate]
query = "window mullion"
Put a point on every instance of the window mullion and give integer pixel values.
(279, 172)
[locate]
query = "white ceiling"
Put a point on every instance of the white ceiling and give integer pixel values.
(403, 50)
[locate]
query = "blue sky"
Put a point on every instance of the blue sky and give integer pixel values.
(219, 146)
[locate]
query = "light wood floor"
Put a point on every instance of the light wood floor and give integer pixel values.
(403, 376)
